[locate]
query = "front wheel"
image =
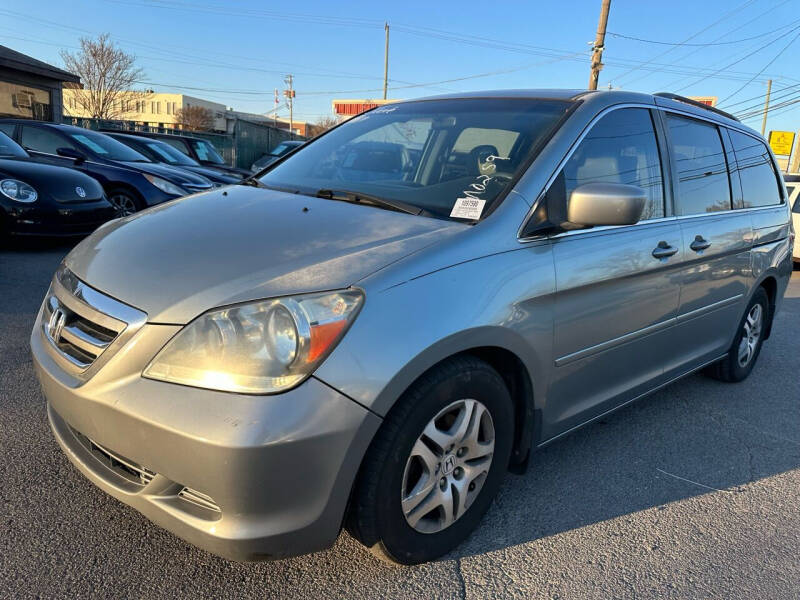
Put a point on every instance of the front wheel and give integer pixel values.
(435, 465)
(746, 346)
(125, 202)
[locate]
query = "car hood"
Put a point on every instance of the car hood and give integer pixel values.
(60, 183)
(179, 259)
(172, 174)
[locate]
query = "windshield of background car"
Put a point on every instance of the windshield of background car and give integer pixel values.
(281, 149)
(170, 155)
(205, 151)
(107, 147)
(9, 147)
(452, 158)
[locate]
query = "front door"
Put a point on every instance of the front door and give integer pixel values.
(617, 288)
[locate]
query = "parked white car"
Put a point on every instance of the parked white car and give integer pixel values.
(793, 187)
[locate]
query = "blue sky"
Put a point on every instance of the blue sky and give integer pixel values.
(239, 51)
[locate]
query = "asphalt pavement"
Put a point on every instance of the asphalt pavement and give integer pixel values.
(693, 492)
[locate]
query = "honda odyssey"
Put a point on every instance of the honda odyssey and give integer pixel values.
(395, 315)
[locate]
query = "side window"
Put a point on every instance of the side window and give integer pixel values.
(756, 172)
(699, 159)
(8, 129)
(177, 144)
(40, 139)
(620, 148)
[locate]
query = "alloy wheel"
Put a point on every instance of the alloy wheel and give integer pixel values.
(448, 466)
(124, 204)
(751, 333)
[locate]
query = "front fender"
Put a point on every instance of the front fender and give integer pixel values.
(503, 300)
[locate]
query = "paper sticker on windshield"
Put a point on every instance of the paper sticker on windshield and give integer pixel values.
(468, 208)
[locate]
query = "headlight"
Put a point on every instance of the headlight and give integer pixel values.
(18, 190)
(262, 347)
(165, 186)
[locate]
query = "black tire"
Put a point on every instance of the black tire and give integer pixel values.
(375, 517)
(730, 369)
(129, 196)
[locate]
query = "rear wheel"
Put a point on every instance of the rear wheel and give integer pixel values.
(125, 202)
(747, 342)
(435, 465)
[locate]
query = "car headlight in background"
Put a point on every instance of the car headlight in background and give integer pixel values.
(261, 347)
(18, 190)
(165, 186)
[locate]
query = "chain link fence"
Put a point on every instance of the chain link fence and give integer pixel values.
(248, 142)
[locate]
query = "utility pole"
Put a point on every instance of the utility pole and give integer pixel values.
(386, 61)
(766, 108)
(597, 48)
(289, 93)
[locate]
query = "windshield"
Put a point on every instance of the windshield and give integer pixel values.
(205, 151)
(281, 149)
(451, 158)
(107, 147)
(9, 147)
(170, 155)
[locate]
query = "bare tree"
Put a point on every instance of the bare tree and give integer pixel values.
(195, 118)
(108, 75)
(322, 125)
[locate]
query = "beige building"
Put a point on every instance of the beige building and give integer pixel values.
(149, 108)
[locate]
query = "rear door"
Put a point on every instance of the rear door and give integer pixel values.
(618, 288)
(717, 239)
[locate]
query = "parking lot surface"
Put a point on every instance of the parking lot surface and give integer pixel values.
(693, 492)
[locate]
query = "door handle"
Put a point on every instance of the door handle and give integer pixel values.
(664, 250)
(699, 244)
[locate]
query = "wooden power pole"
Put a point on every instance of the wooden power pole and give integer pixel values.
(289, 93)
(597, 48)
(386, 62)
(766, 108)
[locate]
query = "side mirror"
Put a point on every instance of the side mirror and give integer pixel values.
(76, 155)
(606, 204)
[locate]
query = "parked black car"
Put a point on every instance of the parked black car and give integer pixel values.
(161, 152)
(280, 150)
(197, 148)
(130, 180)
(37, 199)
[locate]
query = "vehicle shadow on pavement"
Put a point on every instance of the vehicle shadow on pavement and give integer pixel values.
(697, 436)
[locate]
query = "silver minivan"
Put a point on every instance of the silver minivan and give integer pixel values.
(371, 333)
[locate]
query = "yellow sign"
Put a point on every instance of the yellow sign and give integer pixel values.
(781, 142)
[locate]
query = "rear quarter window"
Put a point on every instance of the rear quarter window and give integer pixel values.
(756, 171)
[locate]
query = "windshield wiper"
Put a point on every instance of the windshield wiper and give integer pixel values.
(358, 198)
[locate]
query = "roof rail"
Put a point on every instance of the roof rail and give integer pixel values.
(686, 100)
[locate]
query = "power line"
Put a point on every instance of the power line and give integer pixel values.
(701, 45)
(758, 107)
(733, 63)
(761, 97)
(731, 31)
(777, 56)
(691, 37)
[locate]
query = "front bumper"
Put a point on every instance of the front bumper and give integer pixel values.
(277, 470)
(57, 219)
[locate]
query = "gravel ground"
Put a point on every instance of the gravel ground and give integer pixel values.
(693, 492)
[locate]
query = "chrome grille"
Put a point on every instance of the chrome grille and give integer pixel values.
(198, 498)
(82, 324)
